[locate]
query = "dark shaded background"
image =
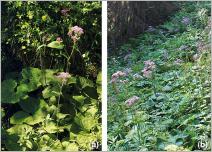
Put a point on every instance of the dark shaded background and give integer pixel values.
(127, 19)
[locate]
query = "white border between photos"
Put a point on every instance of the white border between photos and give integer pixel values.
(104, 75)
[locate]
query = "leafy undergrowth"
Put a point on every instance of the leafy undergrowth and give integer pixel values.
(41, 112)
(169, 109)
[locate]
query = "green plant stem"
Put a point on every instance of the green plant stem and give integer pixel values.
(71, 55)
(58, 103)
(153, 84)
(137, 125)
(115, 88)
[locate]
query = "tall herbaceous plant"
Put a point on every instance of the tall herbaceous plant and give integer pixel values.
(51, 76)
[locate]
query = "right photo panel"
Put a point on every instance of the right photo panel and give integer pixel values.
(159, 76)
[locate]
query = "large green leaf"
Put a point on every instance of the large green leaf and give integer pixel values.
(22, 90)
(11, 143)
(91, 92)
(38, 116)
(72, 80)
(87, 122)
(85, 140)
(56, 45)
(31, 74)
(51, 91)
(19, 117)
(8, 94)
(19, 129)
(31, 79)
(70, 146)
(52, 127)
(79, 99)
(29, 105)
(99, 78)
(50, 77)
(85, 82)
(2, 112)
(99, 83)
(50, 143)
(92, 110)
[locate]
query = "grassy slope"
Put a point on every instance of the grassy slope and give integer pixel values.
(178, 115)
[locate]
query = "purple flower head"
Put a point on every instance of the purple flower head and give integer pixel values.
(178, 61)
(147, 73)
(75, 33)
(59, 39)
(195, 57)
(63, 76)
(186, 20)
(131, 101)
(149, 64)
(115, 76)
(64, 11)
(149, 67)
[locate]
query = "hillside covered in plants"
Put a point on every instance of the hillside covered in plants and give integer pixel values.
(159, 85)
(51, 76)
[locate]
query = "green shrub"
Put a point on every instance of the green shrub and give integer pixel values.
(28, 25)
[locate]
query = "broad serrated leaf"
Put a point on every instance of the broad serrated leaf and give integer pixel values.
(20, 129)
(11, 143)
(85, 82)
(91, 92)
(19, 117)
(49, 77)
(51, 91)
(52, 127)
(87, 122)
(72, 80)
(92, 111)
(29, 105)
(70, 146)
(85, 140)
(38, 116)
(31, 79)
(8, 94)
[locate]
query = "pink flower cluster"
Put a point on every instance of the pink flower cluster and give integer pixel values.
(63, 76)
(116, 75)
(75, 33)
(132, 100)
(178, 61)
(186, 20)
(195, 57)
(149, 66)
(59, 39)
(64, 11)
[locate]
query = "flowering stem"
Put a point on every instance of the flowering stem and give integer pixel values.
(43, 75)
(114, 87)
(153, 84)
(58, 103)
(137, 125)
(71, 55)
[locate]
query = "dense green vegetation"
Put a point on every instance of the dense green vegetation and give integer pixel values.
(159, 85)
(51, 76)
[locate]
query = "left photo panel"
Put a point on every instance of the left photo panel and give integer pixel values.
(51, 76)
